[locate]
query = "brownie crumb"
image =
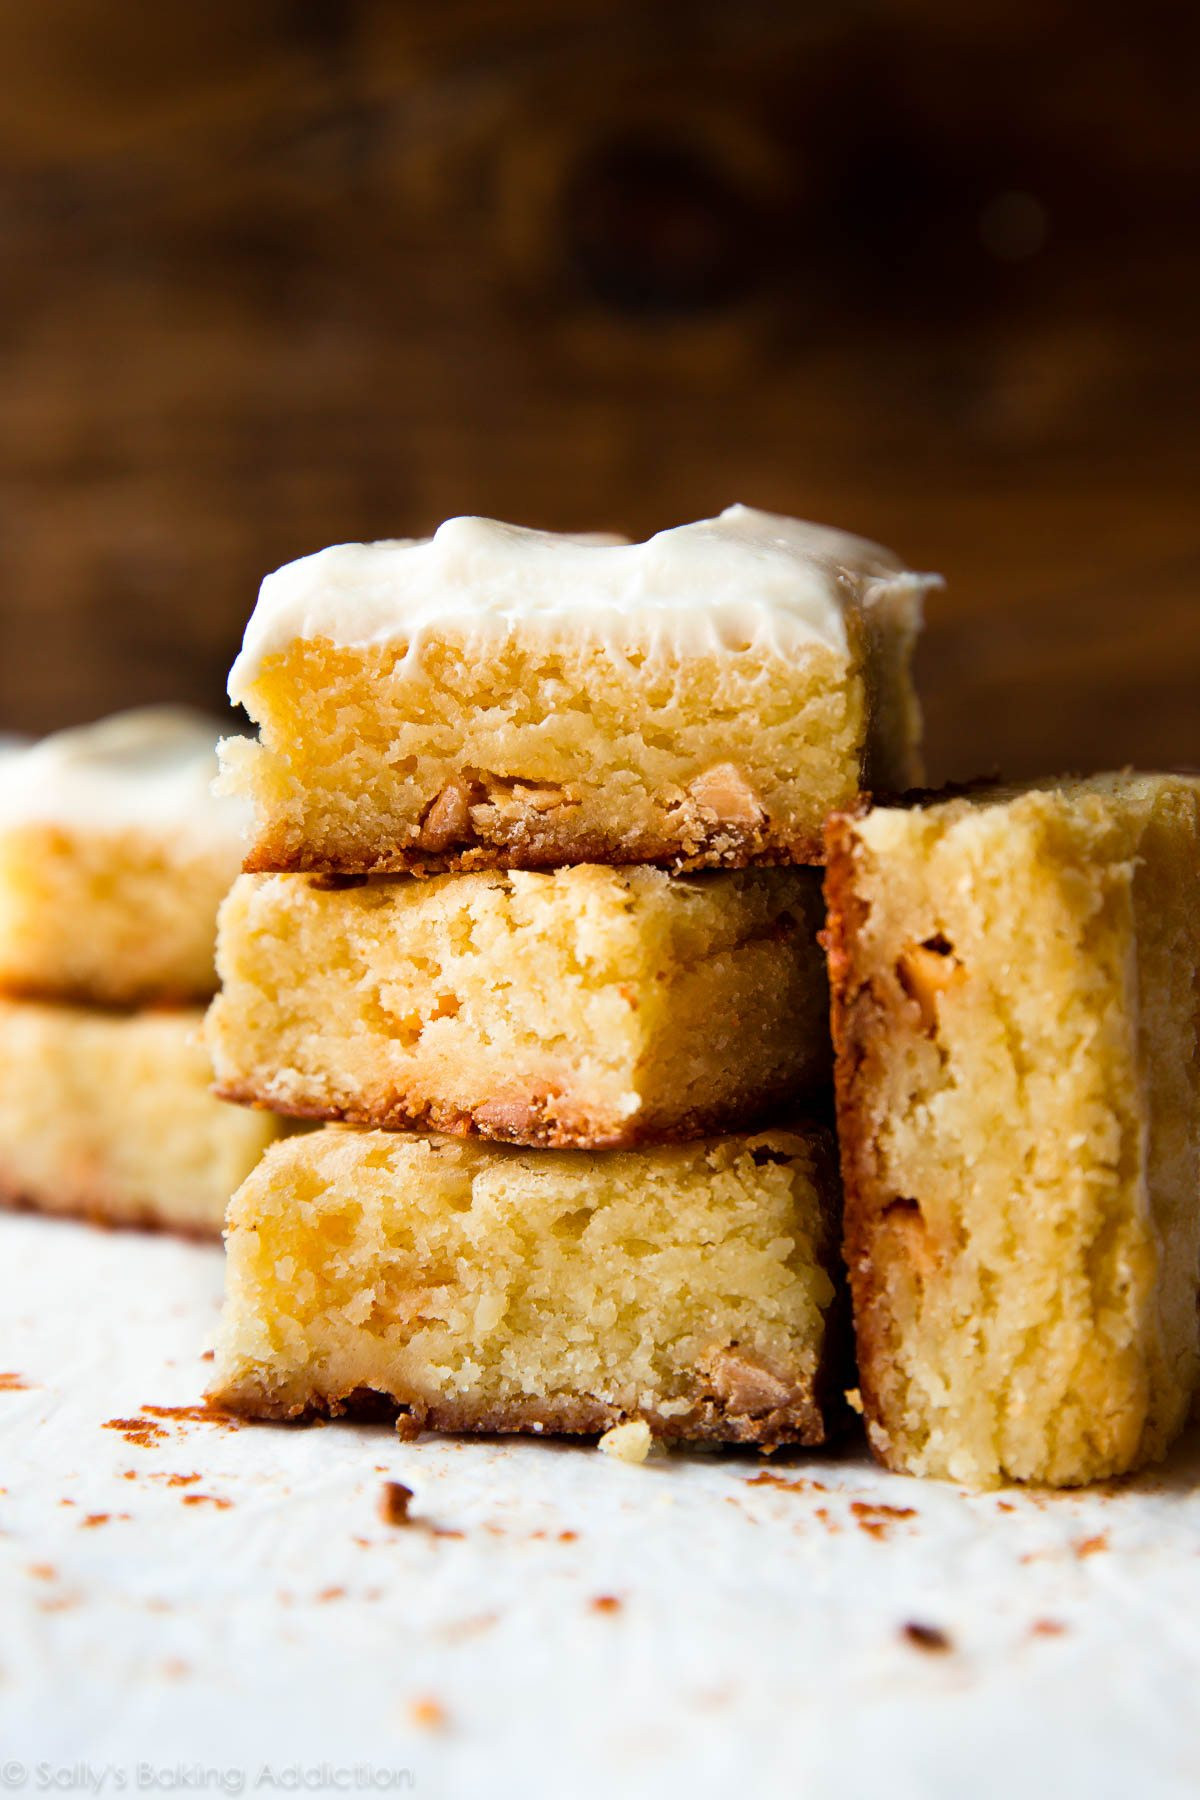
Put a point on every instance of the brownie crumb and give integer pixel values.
(216, 1500)
(206, 1413)
(43, 1571)
(11, 1383)
(58, 1603)
(567, 1537)
(394, 1503)
(629, 1442)
(427, 1712)
(930, 1638)
(142, 1433)
(606, 1603)
(1091, 1546)
(875, 1519)
(799, 1484)
(1047, 1628)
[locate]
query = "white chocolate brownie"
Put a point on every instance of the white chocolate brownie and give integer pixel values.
(477, 1287)
(109, 1116)
(496, 697)
(114, 856)
(586, 1008)
(1015, 977)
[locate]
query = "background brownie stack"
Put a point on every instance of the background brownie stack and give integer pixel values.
(628, 1225)
(114, 857)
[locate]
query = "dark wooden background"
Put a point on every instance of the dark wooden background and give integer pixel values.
(282, 272)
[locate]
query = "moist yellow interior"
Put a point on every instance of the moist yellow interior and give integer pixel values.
(598, 1004)
(116, 917)
(1031, 1129)
(577, 744)
(111, 1114)
(437, 1268)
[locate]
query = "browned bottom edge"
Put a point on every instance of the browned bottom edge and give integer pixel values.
(524, 1121)
(800, 1421)
(83, 998)
(95, 1210)
(271, 855)
(861, 1030)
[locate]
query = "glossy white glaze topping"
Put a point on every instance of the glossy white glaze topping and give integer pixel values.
(151, 768)
(746, 577)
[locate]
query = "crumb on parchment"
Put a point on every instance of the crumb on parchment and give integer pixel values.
(630, 1442)
(394, 1503)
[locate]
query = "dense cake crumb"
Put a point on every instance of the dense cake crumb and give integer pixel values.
(478, 1287)
(930, 1638)
(629, 1442)
(1014, 983)
(394, 1502)
(589, 1008)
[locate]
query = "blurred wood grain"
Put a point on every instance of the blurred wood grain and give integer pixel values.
(284, 272)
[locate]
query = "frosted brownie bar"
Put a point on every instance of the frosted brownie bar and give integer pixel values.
(114, 857)
(474, 1287)
(1015, 1017)
(587, 1008)
(496, 697)
(109, 1116)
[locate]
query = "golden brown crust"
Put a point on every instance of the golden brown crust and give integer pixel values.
(531, 1119)
(95, 1208)
(860, 1027)
(128, 1000)
(273, 854)
(789, 1414)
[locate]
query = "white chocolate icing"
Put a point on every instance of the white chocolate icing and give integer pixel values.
(745, 577)
(149, 769)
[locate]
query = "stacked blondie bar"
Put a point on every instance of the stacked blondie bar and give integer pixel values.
(1016, 1009)
(568, 1184)
(114, 857)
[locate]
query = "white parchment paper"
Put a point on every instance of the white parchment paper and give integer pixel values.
(186, 1606)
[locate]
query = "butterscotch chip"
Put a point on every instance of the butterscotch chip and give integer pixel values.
(448, 820)
(727, 796)
(1014, 981)
(745, 1384)
(500, 698)
(587, 1008)
(925, 972)
(479, 1287)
